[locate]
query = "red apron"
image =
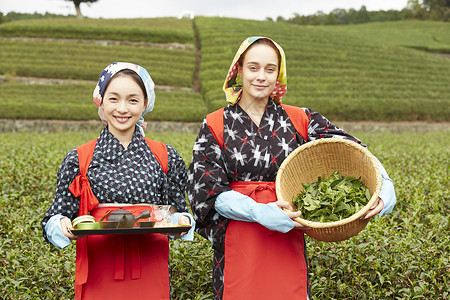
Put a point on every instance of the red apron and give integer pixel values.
(126, 266)
(261, 263)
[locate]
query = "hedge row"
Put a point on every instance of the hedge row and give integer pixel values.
(155, 30)
(401, 256)
(74, 102)
(342, 76)
(355, 73)
(70, 60)
(430, 36)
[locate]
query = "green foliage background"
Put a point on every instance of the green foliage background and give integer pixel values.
(401, 256)
(377, 71)
(368, 72)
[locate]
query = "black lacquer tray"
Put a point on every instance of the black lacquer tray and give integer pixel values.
(168, 230)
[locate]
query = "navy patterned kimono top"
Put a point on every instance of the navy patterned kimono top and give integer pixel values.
(118, 175)
(250, 153)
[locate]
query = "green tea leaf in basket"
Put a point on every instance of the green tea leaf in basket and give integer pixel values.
(332, 199)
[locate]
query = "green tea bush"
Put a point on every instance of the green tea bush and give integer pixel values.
(74, 102)
(403, 255)
(69, 60)
(430, 35)
(340, 74)
(354, 73)
(155, 30)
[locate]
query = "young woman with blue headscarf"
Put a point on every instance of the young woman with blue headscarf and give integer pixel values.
(119, 169)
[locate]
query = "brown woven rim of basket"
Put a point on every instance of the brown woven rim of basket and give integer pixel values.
(342, 224)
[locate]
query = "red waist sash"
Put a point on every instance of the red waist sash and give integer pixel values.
(126, 265)
(261, 263)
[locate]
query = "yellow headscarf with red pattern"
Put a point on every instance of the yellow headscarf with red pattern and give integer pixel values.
(232, 86)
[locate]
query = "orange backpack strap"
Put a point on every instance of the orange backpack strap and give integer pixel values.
(296, 114)
(80, 186)
(215, 124)
(299, 119)
(85, 153)
(159, 150)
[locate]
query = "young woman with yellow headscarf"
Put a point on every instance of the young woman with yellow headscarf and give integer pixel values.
(259, 251)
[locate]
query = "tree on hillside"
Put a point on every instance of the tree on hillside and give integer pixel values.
(330, 19)
(438, 9)
(77, 5)
(417, 9)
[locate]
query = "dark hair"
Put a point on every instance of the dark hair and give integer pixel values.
(262, 41)
(134, 76)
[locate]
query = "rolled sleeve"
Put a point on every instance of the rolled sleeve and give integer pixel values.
(387, 192)
(189, 236)
(55, 234)
(236, 206)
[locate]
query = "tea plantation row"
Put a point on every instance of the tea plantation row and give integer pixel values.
(359, 72)
(343, 76)
(156, 30)
(62, 102)
(401, 256)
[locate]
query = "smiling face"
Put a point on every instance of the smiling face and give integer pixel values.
(123, 104)
(259, 72)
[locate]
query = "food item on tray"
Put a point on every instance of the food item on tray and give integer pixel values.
(332, 199)
(83, 220)
(88, 225)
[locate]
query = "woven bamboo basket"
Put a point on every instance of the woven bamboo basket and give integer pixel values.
(321, 158)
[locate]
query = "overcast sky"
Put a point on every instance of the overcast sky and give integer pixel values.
(243, 9)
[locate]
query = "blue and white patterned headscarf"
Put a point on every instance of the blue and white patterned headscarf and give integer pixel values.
(109, 72)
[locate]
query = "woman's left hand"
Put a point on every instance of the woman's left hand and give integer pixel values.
(286, 207)
(182, 220)
(375, 209)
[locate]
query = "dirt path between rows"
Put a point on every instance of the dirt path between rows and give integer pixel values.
(169, 46)
(41, 126)
(41, 80)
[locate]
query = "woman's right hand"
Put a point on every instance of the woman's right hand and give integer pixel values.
(66, 225)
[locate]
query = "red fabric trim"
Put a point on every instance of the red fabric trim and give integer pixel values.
(127, 265)
(81, 188)
(260, 263)
(159, 150)
(299, 119)
(215, 124)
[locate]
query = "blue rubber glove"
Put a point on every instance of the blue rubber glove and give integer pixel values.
(236, 206)
(55, 234)
(189, 236)
(387, 192)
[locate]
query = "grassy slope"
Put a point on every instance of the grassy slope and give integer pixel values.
(342, 76)
(72, 60)
(74, 102)
(156, 30)
(433, 36)
(358, 72)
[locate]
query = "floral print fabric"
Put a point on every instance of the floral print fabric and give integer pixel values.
(118, 175)
(250, 153)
